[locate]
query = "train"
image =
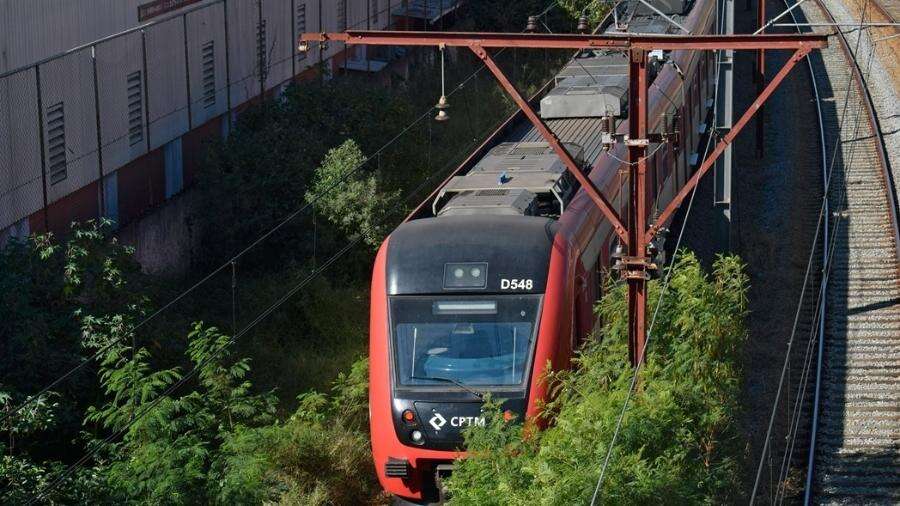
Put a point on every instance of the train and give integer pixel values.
(493, 278)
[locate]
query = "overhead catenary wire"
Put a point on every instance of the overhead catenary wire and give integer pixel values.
(663, 291)
(823, 207)
(816, 330)
(64, 475)
(283, 222)
(232, 262)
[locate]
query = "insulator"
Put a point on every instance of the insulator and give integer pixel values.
(582, 24)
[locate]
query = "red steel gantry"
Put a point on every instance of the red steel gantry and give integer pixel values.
(637, 234)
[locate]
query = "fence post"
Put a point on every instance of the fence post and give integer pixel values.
(227, 66)
(187, 72)
(261, 56)
(102, 206)
(146, 86)
(293, 18)
(321, 50)
(40, 124)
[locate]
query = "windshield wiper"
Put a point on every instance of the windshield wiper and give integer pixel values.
(458, 383)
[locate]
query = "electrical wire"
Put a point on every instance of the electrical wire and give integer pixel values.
(79, 463)
(196, 369)
(808, 268)
(43, 391)
(814, 336)
(664, 290)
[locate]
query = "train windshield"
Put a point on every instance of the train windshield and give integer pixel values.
(477, 341)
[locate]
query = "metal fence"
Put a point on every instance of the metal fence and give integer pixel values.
(71, 121)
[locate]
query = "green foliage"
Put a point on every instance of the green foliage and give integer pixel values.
(262, 171)
(170, 447)
(46, 287)
(594, 9)
(679, 442)
(349, 197)
(20, 476)
(319, 456)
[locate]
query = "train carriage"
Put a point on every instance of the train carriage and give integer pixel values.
(494, 277)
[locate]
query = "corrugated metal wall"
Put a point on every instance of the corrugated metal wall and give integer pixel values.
(152, 86)
(69, 115)
(21, 185)
(206, 52)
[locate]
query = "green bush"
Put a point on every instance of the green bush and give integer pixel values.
(350, 199)
(320, 455)
(679, 442)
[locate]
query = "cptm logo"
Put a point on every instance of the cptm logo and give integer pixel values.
(438, 421)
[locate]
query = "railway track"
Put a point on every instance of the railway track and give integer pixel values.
(890, 9)
(854, 451)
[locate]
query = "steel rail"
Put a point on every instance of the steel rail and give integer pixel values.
(872, 117)
(820, 348)
(892, 204)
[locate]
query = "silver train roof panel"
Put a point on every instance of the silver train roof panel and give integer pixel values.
(585, 132)
(529, 166)
(497, 201)
(586, 97)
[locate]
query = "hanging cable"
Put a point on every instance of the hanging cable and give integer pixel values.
(641, 358)
(287, 219)
(64, 475)
(809, 263)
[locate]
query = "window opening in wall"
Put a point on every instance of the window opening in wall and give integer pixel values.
(301, 27)
(208, 59)
(56, 142)
(135, 87)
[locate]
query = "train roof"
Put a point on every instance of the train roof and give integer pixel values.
(598, 75)
(517, 247)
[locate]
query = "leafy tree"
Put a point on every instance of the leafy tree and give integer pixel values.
(350, 198)
(21, 477)
(679, 442)
(170, 444)
(46, 287)
(261, 172)
(594, 9)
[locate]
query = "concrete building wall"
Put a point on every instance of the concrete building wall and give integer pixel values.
(112, 127)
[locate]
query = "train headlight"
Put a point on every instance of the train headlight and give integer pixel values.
(416, 436)
(465, 275)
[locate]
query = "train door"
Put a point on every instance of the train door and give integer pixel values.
(588, 286)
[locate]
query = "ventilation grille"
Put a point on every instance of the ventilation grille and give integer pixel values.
(135, 108)
(56, 142)
(261, 49)
(342, 15)
(491, 193)
(301, 27)
(529, 151)
(396, 468)
(208, 57)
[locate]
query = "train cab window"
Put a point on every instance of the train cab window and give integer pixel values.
(477, 341)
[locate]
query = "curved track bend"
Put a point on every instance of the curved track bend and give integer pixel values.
(855, 452)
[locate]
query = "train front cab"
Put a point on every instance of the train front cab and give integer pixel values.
(433, 354)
